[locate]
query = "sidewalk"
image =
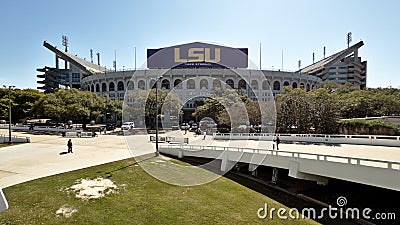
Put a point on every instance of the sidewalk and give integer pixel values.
(41, 157)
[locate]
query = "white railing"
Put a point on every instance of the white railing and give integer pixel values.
(379, 140)
(386, 164)
(44, 128)
(14, 139)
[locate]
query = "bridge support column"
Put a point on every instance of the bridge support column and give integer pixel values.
(274, 175)
(253, 169)
(180, 154)
(226, 164)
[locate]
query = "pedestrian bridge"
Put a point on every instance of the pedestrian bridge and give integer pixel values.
(309, 166)
(375, 140)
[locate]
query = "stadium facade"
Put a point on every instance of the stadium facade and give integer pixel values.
(195, 66)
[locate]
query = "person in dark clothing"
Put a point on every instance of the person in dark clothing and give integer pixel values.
(277, 142)
(69, 144)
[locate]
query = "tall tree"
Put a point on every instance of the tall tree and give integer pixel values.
(143, 103)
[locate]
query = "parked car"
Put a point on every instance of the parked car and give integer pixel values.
(127, 125)
(194, 127)
(184, 126)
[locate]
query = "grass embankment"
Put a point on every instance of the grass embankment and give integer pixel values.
(6, 144)
(141, 199)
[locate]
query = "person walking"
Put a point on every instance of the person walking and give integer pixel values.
(69, 144)
(277, 142)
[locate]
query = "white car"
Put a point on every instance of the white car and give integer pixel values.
(127, 126)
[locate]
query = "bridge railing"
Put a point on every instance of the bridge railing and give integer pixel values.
(379, 140)
(15, 139)
(42, 128)
(386, 164)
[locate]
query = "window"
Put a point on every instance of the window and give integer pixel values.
(97, 87)
(103, 87)
(286, 83)
(120, 86)
(265, 85)
(76, 77)
(177, 84)
(254, 85)
(294, 85)
(277, 86)
(165, 84)
(230, 83)
(111, 87)
(190, 84)
(141, 84)
(64, 78)
(203, 84)
(216, 83)
(242, 84)
(130, 85)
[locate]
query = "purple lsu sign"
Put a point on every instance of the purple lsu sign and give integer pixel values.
(197, 54)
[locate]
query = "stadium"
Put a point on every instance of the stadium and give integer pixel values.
(198, 68)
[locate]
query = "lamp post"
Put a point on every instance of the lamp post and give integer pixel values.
(9, 112)
(156, 84)
(157, 152)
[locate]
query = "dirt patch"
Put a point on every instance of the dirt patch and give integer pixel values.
(66, 211)
(92, 189)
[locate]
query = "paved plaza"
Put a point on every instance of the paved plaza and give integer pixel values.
(41, 157)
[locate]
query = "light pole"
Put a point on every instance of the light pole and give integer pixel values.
(9, 112)
(157, 152)
(156, 84)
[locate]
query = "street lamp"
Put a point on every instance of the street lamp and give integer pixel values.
(156, 84)
(9, 112)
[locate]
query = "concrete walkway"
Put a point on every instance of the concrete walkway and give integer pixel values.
(41, 157)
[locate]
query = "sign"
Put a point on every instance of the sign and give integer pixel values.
(197, 54)
(3, 202)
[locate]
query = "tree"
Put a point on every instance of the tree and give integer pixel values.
(144, 104)
(325, 111)
(305, 112)
(22, 102)
(81, 106)
(294, 111)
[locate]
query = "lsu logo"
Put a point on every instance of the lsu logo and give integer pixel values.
(198, 55)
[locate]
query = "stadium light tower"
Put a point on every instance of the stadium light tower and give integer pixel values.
(11, 87)
(349, 39)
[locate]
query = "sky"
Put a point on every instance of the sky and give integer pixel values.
(292, 28)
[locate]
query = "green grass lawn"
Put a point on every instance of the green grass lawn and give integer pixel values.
(141, 199)
(6, 144)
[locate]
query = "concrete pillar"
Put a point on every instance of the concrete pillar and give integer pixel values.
(274, 175)
(253, 169)
(226, 164)
(180, 154)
